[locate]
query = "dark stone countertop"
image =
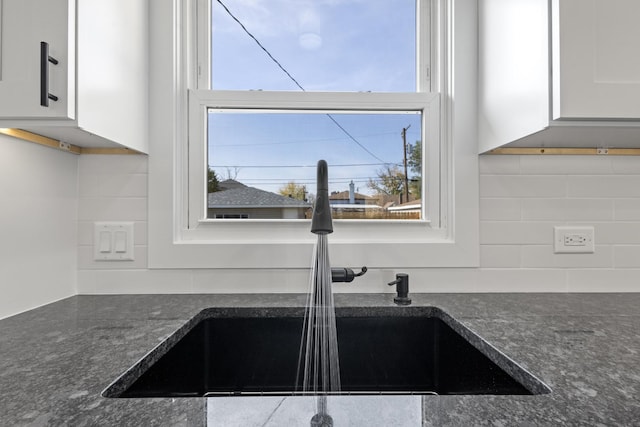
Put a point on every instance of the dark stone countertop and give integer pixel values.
(56, 360)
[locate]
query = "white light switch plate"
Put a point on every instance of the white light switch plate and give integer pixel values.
(573, 240)
(113, 241)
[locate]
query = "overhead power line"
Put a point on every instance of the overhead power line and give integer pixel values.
(301, 166)
(284, 70)
(353, 139)
(307, 141)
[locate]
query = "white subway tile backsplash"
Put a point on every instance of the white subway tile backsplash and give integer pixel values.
(588, 210)
(109, 164)
(553, 190)
(565, 165)
(521, 280)
(500, 256)
(140, 233)
(610, 186)
(544, 209)
(85, 233)
(443, 280)
(603, 280)
(626, 164)
(567, 210)
(142, 281)
(499, 165)
(515, 233)
(112, 188)
(515, 186)
(617, 233)
(542, 256)
(251, 281)
(499, 209)
(119, 185)
(113, 209)
(521, 199)
(626, 209)
(626, 256)
(89, 186)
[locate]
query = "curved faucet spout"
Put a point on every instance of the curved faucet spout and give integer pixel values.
(321, 220)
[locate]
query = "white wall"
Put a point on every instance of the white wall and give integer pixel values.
(521, 199)
(38, 225)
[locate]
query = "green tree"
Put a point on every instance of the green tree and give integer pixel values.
(390, 180)
(296, 191)
(414, 157)
(414, 161)
(212, 181)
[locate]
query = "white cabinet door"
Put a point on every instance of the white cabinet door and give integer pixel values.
(513, 70)
(596, 59)
(24, 25)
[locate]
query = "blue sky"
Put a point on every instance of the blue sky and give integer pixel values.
(332, 45)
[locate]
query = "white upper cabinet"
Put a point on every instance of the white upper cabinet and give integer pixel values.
(27, 29)
(550, 68)
(76, 70)
(596, 59)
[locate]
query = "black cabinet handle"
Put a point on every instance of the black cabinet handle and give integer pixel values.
(45, 59)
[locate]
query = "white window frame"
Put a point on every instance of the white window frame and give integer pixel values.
(180, 236)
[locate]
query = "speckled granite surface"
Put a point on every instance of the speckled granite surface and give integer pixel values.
(56, 360)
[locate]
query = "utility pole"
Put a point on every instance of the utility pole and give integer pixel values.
(404, 150)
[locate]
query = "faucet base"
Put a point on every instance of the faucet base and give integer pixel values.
(402, 300)
(402, 289)
(321, 420)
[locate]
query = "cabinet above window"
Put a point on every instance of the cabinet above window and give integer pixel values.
(76, 70)
(561, 73)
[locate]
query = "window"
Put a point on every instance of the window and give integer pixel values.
(319, 46)
(266, 159)
(438, 228)
(316, 48)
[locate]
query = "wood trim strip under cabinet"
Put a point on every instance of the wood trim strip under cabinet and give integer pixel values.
(565, 151)
(63, 146)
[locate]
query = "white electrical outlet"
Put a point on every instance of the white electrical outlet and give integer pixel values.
(573, 240)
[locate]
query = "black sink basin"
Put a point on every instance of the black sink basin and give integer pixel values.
(394, 350)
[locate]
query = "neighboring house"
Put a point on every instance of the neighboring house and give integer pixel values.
(352, 205)
(409, 210)
(386, 200)
(344, 198)
(347, 199)
(236, 200)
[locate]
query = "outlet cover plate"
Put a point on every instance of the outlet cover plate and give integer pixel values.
(113, 241)
(573, 240)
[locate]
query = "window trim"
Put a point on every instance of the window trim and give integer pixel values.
(201, 100)
(171, 245)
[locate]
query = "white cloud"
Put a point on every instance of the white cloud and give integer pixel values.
(310, 41)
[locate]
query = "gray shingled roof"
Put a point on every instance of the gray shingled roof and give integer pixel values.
(236, 194)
